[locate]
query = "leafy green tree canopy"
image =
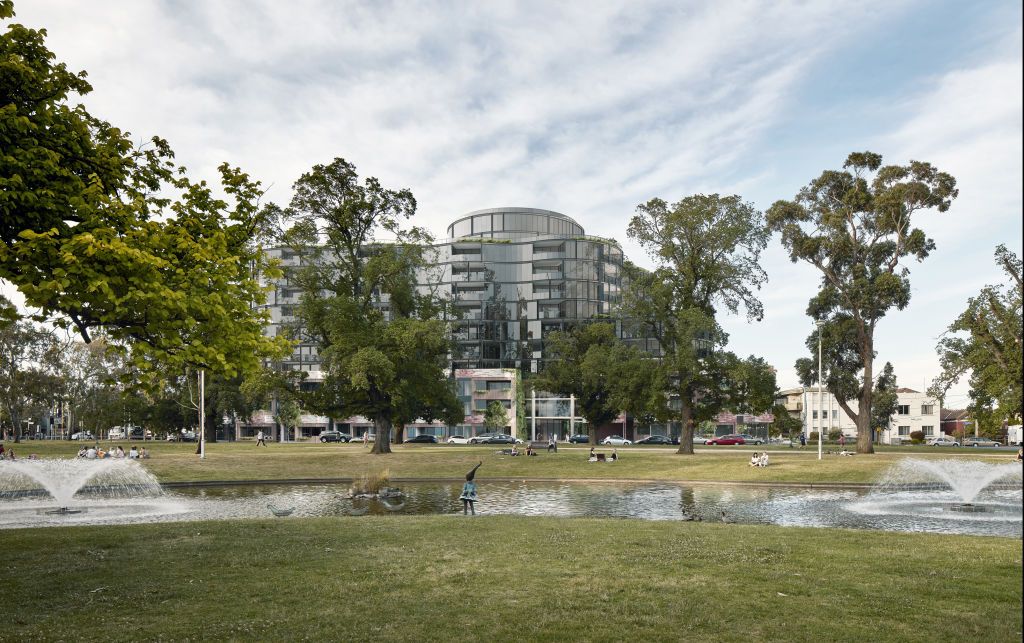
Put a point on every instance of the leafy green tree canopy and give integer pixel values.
(496, 417)
(985, 340)
(383, 340)
(855, 226)
(706, 249)
(606, 376)
(90, 240)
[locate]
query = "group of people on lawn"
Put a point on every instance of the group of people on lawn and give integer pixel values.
(759, 459)
(97, 453)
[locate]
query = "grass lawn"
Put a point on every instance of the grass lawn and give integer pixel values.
(175, 462)
(443, 578)
(504, 578)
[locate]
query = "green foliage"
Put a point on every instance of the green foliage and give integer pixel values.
(382, 340)
(87, 236)
(885, 400)
(22, 380)
(706, 248)
(751, 383)
(985, 340)
(855, 226)
(786, 424)
(606, 376)
(916, 437)
(496, 418)
(834, 434)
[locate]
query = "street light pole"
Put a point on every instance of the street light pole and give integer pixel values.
(821, 404)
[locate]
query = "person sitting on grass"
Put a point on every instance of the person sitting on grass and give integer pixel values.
(515, 450)
(1020, 455)
(755, 460)
(529, 450)
(615, 456)
(593, 455)
(763, 460)
(143, 453)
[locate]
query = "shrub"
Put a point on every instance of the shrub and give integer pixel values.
(916, 437)
(834, 434)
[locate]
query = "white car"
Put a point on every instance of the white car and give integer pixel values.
(615, 440)
(943, 442)
(458, 439)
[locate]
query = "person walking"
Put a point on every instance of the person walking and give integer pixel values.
(261, 439)
(803, 440)
(842, 441)
(468, 496)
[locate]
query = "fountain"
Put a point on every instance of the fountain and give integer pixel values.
(947, 489)
(63, 489)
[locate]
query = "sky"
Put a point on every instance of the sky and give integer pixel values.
(590, 109)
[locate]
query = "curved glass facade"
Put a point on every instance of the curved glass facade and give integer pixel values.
(516, 275)
(519, 274)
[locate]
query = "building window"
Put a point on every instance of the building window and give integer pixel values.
(904, 430)
(927, 409)
(835, 414)
(903, 409)
(814, 414)
(928, 430)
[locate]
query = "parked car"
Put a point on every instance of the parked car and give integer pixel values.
(422, 438)
(458, 439)
(697, 439)
(616, 440)
(500, 438)
(189, 436)
(482, 438)
(944, 442)
(116, 433)
(980, 442)
(579, 439)
(334, 436)
(734, 438)
(654, 439)
(749, 439)
(82, 435)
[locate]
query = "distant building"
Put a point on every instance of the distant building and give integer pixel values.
(915, 411)
(517, 275)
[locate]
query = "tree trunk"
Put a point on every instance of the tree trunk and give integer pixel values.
(686, 423)
(865, 432)
(382, 427)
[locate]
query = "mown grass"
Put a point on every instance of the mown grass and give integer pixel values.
(172, 462)
(503, 578)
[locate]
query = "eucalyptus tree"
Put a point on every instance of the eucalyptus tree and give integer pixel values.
(383, 340)
(706, 250)
(855, 226)
(985, 340)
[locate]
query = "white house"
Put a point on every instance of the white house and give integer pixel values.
(915, 411)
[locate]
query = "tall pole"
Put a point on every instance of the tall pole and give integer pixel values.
(821, 428)
(202, 415)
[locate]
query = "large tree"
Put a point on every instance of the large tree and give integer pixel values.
(89, 237)
(383, 340)
(706, 250)
(855, 226)
(985, 340)
(606, 376)
(23, 347)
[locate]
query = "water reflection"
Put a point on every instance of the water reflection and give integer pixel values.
(786, 506)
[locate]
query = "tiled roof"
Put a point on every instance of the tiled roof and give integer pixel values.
(950, 415)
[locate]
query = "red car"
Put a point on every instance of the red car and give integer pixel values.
(735, 438)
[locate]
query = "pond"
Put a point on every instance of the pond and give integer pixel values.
(912, 510)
